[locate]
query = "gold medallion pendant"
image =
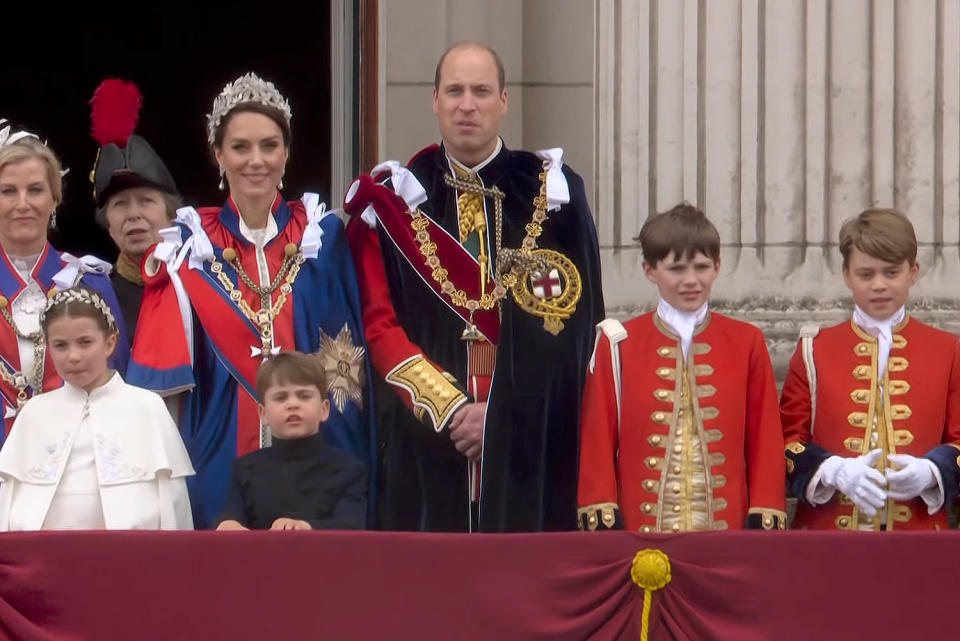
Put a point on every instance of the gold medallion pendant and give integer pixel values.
(551, 292)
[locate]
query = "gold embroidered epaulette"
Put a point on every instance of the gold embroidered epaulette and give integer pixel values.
(435, 397)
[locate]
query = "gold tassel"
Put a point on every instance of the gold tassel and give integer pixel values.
(651, 571)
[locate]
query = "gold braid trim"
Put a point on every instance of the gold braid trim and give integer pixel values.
(433, 392)
(598, 514)
(769, 518)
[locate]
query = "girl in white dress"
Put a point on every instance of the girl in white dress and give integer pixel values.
(96, 453)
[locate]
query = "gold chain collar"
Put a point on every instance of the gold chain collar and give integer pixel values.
(512, 264)
(16, 378)
(263, 317)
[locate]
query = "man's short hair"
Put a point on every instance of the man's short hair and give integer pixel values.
(467, 44)
(885, 234)
(683, 230)
(291, 368)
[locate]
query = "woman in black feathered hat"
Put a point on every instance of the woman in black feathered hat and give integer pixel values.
(135, 193)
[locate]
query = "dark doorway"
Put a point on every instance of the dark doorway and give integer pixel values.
(180, 60)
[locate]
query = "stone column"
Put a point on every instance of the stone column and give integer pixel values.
(780, 118)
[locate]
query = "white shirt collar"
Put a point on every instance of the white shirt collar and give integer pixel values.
(882, 330)
(472, 171)
(260, 237)
(682, 323)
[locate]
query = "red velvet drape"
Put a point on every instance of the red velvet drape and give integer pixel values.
(739, 586)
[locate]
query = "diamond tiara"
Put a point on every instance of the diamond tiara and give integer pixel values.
(247, 88)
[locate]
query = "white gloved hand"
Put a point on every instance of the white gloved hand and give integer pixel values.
(913, 476)
(857, 479)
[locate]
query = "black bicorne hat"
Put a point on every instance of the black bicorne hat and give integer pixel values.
(125, 160)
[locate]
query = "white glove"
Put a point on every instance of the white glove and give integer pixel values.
(857, 479)
(913, 476)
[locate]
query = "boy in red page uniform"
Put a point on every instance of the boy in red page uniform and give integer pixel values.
(679, 429)
(877, 447)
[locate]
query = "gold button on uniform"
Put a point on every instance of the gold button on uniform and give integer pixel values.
(645, 528)
(648, 485)
(676, 527)
(655, 439)
(676, 469)
(647, 508)
(652, 461)
(677, 449)
(676, 489)
(676, 508)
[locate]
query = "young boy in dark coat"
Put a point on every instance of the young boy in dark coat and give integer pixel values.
(299, 482)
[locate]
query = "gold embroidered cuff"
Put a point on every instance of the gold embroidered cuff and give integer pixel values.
(769, 519)
(435, 397)
(598, 515)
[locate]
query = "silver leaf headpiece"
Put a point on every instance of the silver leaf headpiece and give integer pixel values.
(8, 138)
(80, 295)
(247, 88)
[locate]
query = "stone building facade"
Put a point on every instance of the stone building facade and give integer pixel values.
(781, 118)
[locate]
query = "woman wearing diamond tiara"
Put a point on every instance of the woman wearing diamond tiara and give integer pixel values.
(96, 453)
(30, 269)
(233, 285)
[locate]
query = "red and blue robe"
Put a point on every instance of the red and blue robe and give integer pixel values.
(11, 286)
(219, 419)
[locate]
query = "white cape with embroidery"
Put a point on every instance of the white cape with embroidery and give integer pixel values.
(140, 458)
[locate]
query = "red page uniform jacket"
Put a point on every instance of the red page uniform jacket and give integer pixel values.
(691, 444)
(919, 415)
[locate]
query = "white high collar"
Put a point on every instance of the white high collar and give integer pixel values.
(882, 330)
(682, 323)
(472, 171)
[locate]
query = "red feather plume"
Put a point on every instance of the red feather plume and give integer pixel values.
(114, 109)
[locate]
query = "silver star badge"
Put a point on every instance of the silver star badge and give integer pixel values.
(343, 363)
